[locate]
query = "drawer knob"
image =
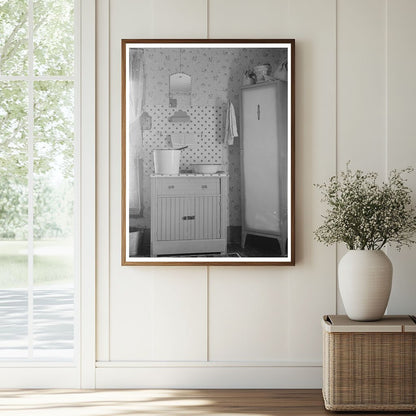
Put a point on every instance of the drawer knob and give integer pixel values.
(171, 186)
(204, 186)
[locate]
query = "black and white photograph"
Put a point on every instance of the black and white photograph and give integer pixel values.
(208, 152)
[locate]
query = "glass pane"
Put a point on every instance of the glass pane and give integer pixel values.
(53, 37)
(13, 37)
(53, 318)
(53, 197)
(13, 220)
(13, 324)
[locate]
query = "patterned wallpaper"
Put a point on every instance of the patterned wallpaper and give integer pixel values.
(217, 75)
(206, 125)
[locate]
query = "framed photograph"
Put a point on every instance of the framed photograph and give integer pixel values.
(208, 152)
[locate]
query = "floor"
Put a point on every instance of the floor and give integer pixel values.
(165, 402)
(255, 246)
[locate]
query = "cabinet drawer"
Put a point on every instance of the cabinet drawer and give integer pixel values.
(188, 186)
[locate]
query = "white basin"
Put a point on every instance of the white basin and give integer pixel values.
(206, 167)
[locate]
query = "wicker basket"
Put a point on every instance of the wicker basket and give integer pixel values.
(369, 366)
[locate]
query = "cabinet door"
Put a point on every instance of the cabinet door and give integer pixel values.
(208, 217)
(176, 218)
(188, 218)
(260, 158)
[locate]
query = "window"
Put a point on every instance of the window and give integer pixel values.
(38, 185)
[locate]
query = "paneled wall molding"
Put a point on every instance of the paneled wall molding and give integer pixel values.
(401, 133)
(255, 327)
(103, 179)
(253, 321)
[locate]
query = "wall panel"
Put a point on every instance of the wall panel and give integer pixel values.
(103, 177)
(361, 84)
(159, 316)
(251, 324)
(312, 24)
(401, 143)
(361, 89)
(246, 20)
(140, 328)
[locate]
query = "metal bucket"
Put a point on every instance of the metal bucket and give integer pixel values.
(166, 161)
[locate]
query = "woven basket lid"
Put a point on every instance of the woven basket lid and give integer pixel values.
(390, 323)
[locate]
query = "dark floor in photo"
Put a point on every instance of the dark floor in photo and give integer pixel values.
(256, 246)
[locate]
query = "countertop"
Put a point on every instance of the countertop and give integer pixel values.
(191, 175)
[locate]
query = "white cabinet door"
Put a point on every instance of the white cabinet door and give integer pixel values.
(176, 218)
(188, 218)
(260, 158)
(208, 216)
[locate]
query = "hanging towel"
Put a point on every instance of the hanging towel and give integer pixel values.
(230, 125)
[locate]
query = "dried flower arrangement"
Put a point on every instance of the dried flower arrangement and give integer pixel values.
(366, 215)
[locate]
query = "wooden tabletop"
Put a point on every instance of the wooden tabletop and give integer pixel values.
(390, 323)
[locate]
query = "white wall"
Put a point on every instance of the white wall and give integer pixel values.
(254, 326)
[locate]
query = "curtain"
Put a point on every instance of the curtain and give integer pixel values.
(136, 103)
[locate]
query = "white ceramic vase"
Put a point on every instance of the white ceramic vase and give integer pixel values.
(364, 278)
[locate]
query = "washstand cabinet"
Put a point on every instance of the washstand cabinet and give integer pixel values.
(188, 214)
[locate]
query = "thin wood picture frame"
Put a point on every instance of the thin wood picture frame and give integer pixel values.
(228, 197)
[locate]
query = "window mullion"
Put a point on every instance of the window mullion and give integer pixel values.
(30, 177)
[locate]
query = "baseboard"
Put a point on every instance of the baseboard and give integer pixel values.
(210, 377)
(172, 375)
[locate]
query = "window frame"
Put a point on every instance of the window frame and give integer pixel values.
(81, 371)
